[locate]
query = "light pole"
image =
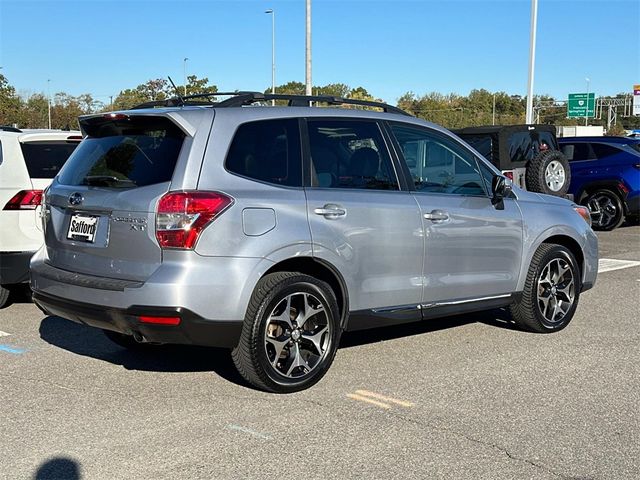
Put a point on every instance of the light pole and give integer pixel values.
(308, 51)
(586, 115)
(532, 59)
(273, 52)
(49, 100)
(184, 74)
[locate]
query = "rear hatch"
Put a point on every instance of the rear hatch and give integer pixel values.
(100, 217)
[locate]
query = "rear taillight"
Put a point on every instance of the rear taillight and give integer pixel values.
(25, 200)
(182, 216)
(509, 175)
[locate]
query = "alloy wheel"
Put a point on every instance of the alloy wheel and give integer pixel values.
(555, 176)
(297, 335)
(556, 290)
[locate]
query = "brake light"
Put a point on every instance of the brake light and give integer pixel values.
(116, 116)
(509, 175)
(182, 216)
(25, 200)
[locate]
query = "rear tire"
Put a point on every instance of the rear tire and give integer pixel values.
(551, 291)
(4, 297)
(290, 334)
(549, 173)
(606, 209)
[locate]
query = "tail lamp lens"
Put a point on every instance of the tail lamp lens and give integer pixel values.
(182, 216)
(25, 200)
(509, 174)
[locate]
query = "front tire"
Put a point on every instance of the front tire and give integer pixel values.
(606, 209)
(551, 291)
(290, 334)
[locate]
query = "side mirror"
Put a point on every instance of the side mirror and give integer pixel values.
(501, 188)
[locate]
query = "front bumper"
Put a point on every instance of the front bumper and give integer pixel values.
(14, 267)
(192, 330)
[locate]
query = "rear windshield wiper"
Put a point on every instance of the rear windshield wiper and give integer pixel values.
(106, 180)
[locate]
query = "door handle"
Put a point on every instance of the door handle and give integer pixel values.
(330, 211)
(436, 216)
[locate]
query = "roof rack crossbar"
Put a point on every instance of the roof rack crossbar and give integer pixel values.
(243, 98)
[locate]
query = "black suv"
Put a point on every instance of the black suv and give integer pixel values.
(528, 154)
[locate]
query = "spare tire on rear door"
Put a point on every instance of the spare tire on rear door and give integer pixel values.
(549, 173)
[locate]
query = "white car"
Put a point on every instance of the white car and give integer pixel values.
(29, 159)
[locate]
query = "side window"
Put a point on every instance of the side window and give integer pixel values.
(349, 154)
(603, 151)
(268, 151)
(576, 152)
(438, 164)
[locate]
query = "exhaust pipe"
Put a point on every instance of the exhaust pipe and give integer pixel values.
(138, 337)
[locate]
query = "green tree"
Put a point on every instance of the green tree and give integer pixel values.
(10, 103)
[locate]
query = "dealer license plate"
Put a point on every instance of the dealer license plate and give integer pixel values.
(83, 228)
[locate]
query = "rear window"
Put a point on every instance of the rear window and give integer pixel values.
(45, 159)
(125, 153)
(268, 151)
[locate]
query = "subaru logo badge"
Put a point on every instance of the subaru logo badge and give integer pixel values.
(75, 199)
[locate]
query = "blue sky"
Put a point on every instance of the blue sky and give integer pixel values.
(388, 47)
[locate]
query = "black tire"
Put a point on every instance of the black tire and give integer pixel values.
(531, 311)
(541, 174)
(257, 358)
(4, 297)
(127, 341)
(606, 209)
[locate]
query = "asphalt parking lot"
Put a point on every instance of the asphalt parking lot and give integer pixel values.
(462, 397)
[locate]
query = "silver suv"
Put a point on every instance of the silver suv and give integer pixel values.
(271, 230)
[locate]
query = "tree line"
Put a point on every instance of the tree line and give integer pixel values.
(479, 107)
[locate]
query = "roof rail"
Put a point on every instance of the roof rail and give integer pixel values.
(239, 99)
(7, 128)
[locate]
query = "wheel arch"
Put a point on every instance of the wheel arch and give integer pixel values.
(322, 270)
(615, 185)
(570, 244)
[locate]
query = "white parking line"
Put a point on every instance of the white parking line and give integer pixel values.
(4, 334)
(610, 264)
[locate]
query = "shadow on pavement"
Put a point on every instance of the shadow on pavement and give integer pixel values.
(58, 468)
(91, 342)
(496, 318)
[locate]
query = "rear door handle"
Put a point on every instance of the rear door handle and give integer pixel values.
(436, 216)
(330, 211)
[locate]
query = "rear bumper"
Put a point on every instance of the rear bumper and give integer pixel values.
(192, 330)
(14, 267)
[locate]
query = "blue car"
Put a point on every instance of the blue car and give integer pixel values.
(605, 176)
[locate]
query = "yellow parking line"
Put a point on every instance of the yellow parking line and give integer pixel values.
(368, 400)
(367, 393)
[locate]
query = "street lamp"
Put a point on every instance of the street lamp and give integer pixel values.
(184, 74)
(49, 100)
(586, 115)
(308, 50)
(532, 59)
(273, 52)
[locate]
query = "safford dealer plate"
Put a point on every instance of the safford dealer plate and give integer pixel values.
(83, 228)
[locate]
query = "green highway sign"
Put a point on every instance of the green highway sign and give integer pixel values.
(577, 105)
